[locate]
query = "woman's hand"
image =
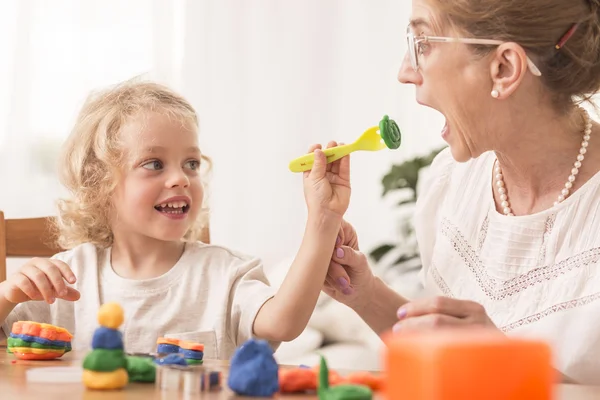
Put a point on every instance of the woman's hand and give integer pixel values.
(327, 186)
(441, 312)
(349, 278)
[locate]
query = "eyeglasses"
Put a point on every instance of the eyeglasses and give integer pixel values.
(415, 47)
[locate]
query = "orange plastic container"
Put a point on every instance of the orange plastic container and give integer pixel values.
(467, 365)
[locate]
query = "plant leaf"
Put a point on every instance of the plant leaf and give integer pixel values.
(404, 258)
(378, 253)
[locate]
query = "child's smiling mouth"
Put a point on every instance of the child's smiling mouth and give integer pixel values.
(176, 206)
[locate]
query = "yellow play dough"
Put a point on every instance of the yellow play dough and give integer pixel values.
(110, 315)
(105, 380)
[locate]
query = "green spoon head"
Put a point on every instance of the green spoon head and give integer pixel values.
(390, 133)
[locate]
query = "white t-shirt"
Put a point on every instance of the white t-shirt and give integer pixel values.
(210, 296)
(537, 276)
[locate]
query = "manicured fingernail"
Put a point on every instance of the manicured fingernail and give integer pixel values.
(339, 253)
(343, 282)
(348, 291)
(72, 279)
(401, 313)
(338, 240)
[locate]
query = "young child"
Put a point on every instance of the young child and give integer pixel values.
(132, 165)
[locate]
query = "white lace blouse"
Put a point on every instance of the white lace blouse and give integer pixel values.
(537, 275)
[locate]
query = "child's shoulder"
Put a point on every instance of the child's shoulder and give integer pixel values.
(220, 255)
(86, 253)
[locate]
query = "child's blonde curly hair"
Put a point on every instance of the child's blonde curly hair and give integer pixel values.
(92, 159)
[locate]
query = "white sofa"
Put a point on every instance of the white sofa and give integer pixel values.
(336, 331)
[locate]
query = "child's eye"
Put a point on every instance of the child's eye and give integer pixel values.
(193, 164)
(153, 165)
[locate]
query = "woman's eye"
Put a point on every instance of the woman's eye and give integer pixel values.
(422, 47)
(193, 164)
(153, 165)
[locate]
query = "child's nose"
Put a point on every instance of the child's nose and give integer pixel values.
(178, 178)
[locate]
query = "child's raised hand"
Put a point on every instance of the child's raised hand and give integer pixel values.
(40, 279)
(327, 186)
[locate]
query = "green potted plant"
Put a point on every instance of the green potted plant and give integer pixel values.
(403, 253)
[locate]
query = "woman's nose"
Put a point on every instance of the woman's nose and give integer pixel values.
(407, 74)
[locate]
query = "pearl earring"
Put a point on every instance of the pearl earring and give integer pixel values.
(495, 94)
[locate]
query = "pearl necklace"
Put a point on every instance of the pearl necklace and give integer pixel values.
(565, 192)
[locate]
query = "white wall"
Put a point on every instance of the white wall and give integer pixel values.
(268, 78)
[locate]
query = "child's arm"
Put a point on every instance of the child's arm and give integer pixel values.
(38, 279)
(327, 193)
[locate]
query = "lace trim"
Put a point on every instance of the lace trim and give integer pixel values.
(497, 289)
(483, 233)
(567, 305)
(547, 231)
(439, 281)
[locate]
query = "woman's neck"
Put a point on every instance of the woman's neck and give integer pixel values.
(538, 160)
(136, 257)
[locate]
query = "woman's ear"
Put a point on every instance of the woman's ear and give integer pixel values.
(507, 69)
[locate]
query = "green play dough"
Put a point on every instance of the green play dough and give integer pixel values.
(103, 360)
(349, 392)
(339, 392)
(191, 361)
(16, 342)
(390, 133)
(141, 369)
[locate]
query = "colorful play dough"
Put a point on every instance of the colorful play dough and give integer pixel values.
(163, 348)
(192, 352)
(37, 341)
(105, 367)
(107, 338)
(171, 359)
(141, 369)
(167, 345)
(253, 370)
(340, 392)
(105, 380)
(297, 380)
(467, 364)
(105, 360)
(45, 331)
(111, 315)
(163, 340)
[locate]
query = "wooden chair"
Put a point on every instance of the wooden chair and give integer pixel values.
(31, 237)
(28, 237)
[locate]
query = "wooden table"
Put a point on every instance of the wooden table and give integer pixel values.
(13, 385)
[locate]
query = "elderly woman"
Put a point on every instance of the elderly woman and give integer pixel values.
(509, 223)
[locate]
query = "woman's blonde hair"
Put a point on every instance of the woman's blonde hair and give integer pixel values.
(92, 158)
(571, 73)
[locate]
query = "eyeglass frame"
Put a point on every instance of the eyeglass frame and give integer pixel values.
(414, 41)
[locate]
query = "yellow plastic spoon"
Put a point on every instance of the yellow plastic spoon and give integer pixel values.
(375, 138)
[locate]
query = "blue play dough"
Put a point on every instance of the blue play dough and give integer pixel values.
(45, 342)
(214, 380)
(167, 348)
(191, 354)
(254, 371)
(171, 359)
(107, 338)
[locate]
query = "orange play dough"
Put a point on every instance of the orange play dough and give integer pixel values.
(45, 331)
(465, 364)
